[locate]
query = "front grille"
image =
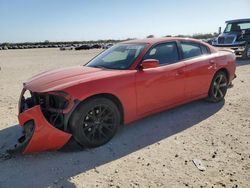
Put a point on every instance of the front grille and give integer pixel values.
(229, 39)
(221, 40)
(226, 40)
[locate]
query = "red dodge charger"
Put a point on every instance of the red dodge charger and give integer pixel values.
(130, 80)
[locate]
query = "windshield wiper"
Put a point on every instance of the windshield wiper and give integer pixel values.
(98, 66)
(103, 67)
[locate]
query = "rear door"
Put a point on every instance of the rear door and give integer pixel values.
(199, 67)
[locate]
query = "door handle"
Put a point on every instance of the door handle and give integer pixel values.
(212, 62)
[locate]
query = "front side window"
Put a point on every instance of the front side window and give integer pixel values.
(166, 53)
(237, 27)
(190, 50)
(120, 56)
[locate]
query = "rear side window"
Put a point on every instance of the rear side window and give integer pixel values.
(166, 53)
(190, 50)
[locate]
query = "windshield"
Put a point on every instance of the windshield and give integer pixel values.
(237, 27)
(120, 56)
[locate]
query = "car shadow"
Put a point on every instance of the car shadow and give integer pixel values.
(55, 168)
(242, 62)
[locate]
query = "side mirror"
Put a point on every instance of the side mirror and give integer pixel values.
(150, 63)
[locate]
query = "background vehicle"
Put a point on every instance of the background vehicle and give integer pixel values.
(96, 46)
(107, 46)
(67, 48)
(83, 47)
(236, 36)
(128, 81)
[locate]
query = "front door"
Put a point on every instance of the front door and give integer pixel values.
(161, 86)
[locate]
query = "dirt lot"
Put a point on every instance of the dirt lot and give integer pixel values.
(154, 152)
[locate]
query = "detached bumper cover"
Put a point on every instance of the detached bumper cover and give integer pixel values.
(43, 135)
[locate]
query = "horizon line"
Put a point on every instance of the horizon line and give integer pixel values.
(91, 40)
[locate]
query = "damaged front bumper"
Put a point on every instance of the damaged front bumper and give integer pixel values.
(41, 129)
(39, 134)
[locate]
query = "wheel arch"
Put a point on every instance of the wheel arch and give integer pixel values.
(223, 69)
(211, 97)
(109, 96)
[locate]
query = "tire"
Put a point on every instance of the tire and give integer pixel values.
(246, 54)
(95, 122)
(218, 87)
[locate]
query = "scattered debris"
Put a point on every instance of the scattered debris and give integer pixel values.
(5, 156)
(55, 182)
(97, 171)
(186, 184)
(199, 164)
(222, 184)
(214, 155)
(3, 146)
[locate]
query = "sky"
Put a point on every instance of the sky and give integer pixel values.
(67, 20)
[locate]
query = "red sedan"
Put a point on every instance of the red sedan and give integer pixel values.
(130, 80)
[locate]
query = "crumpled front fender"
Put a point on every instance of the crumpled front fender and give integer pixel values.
(43, 136)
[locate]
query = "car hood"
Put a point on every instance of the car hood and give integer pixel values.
(59, 79)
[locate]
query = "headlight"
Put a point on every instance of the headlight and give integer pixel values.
(241, 48)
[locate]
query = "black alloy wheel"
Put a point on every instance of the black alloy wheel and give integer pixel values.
(218, 87)
(95, 122)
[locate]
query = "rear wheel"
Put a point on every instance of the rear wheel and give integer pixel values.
(95, 122)
(218, 87)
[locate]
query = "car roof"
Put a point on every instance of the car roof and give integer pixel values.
(238, 20)
(152, 41)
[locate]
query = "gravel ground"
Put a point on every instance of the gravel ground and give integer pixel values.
(154, 152)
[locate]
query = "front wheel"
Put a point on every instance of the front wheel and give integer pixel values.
(218, 87)
(95, 122)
